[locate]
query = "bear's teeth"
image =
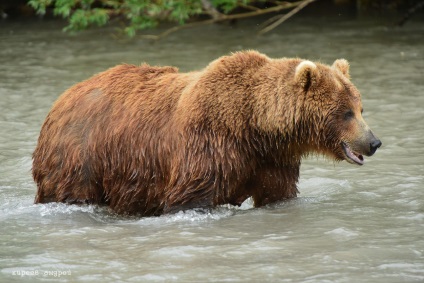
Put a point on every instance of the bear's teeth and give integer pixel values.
(351, 156)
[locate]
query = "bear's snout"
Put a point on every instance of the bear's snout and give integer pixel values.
(374, 144)
(371, 143)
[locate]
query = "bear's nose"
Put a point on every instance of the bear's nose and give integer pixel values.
(374, 145)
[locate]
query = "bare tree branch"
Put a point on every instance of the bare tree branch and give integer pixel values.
(286, 16)
(249, 7)
(211, 10)
(223, 17)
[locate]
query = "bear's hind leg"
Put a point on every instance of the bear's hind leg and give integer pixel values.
(67, 186)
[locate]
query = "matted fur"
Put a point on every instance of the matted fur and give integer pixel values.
(150, 140)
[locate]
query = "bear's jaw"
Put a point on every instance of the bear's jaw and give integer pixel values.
(351, 156)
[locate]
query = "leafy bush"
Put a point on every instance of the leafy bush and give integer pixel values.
(139, 14)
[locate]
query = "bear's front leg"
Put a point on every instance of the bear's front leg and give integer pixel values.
(273, 183)
(189, 194)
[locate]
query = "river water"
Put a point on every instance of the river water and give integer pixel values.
(349, 224)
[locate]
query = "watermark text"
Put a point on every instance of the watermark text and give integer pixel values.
(41, 273)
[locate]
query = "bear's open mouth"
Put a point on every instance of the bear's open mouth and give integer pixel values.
(351, 156)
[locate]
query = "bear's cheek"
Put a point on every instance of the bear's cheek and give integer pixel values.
(332, 136)
(355, 135)
(341, 132)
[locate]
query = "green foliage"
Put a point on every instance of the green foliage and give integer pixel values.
(80, 13)
(40, 5)
(139, 14)
(82, 19)
(225, 5)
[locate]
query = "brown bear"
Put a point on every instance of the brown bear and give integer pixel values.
(149, 140)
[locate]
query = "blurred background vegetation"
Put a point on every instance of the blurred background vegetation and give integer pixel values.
(136, 15)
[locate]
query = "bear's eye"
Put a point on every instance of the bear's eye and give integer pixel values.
(349, 115)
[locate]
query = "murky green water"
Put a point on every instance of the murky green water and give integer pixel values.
(350, 224)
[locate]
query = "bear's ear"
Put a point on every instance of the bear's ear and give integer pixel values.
(343, 66)
(306, 74)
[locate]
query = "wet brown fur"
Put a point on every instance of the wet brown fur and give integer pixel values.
(150, 140)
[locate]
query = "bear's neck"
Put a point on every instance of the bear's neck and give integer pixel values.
(279, 108)
(252, 102)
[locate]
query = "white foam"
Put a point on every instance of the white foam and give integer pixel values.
(62, 208)
(403, 266)
(194, 215)
(342, 233)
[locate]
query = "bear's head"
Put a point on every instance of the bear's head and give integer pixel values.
(332, 112)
